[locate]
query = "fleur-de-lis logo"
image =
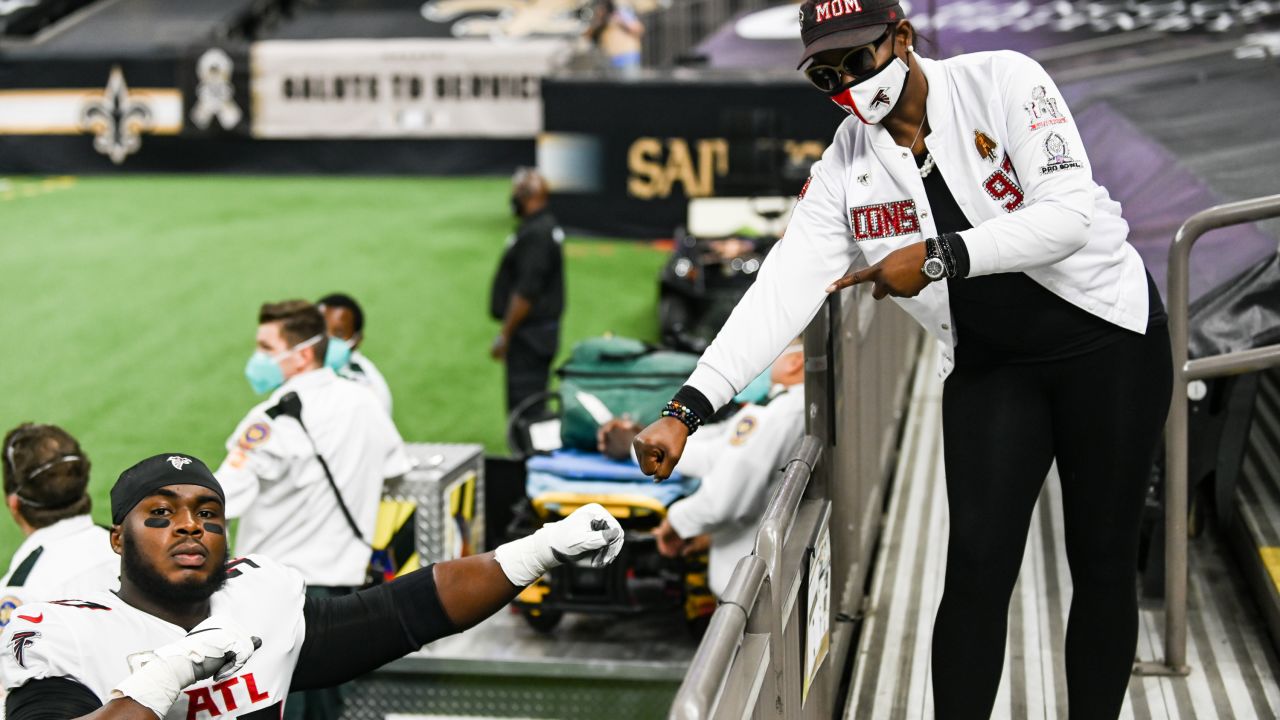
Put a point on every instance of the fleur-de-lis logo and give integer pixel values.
(116, 120)
(177, 461)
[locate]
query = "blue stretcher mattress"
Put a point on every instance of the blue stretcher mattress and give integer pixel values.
(574, 471)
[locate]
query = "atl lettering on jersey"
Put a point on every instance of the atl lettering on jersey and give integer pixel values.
(224, 698)
(873, 222)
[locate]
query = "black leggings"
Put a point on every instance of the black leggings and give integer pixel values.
(1100, 415)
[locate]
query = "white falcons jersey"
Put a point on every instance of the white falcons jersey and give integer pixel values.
(96, 640)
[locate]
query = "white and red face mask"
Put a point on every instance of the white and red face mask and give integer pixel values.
(871, 98)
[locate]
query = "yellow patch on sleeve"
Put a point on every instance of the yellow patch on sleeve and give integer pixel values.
(743, 429)
(254, 435)
(8, 604)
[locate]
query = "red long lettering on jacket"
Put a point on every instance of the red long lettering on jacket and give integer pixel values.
(873, 222)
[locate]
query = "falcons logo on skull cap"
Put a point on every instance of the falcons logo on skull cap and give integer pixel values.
(177, 461)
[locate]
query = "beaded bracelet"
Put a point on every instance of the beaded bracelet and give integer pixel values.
(684, 414)
(944, 248)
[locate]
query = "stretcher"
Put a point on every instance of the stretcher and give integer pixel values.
(640, 580)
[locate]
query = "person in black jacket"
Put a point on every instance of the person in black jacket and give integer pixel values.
(528, 291)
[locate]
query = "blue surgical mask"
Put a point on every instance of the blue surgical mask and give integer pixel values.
(757, 391)
(338, 354)
(263, 370)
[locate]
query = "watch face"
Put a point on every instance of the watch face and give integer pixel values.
(934, 269)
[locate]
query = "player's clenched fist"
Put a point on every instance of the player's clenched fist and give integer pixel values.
(216, 648)
(659, 446)
(589, 536)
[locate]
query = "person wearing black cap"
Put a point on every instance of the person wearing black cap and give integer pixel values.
(189, 634)
(46, 482)
(962, 189)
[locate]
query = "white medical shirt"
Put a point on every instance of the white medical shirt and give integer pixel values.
(362, 370)
(75, 557)
(739, 461)
(278, 489)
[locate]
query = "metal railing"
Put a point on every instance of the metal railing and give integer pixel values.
(1185, 371)
(752, 659)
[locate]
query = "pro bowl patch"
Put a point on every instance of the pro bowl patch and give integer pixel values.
(743, 429)
(8, 604)
(255, 435)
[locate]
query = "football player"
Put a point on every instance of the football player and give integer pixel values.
(191, 635)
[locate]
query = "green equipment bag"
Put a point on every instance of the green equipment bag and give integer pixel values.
(626, 376)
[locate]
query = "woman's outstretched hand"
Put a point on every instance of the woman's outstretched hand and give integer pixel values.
(659, 446)
(898, 274)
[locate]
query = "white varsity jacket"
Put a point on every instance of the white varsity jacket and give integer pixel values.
(1010, 153)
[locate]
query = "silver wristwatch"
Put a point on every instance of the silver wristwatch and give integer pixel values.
(933, 267)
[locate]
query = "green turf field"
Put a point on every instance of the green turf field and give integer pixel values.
(130, 304)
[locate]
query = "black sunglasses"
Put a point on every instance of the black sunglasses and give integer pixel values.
(857, 62)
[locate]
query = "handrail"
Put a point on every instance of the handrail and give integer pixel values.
(776, 522)
(710, 665)
(759, 657)
(1175, 660)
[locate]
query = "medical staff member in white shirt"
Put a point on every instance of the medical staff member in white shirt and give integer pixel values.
(192, 634)
(961, 188)
(46, 481)
(739, 462)
(305, 468)
(345, 321)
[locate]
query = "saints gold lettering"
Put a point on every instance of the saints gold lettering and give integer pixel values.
(656, 166)
(803, 152)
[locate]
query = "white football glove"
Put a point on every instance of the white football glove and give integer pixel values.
(590, 536)
(216, 648)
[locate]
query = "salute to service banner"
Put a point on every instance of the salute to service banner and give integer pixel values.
(400, 88)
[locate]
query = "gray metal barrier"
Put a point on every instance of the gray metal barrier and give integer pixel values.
(777, 644)
(1184, 371)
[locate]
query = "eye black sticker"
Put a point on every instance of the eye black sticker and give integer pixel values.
(156, 522)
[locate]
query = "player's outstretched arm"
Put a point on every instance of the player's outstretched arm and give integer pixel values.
(349, 636)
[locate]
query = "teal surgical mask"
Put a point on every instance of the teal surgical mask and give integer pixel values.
(757, 391)
(263, 370)
(338, 354)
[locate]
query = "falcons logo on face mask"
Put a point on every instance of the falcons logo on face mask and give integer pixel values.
(19, 644)
(881, 98)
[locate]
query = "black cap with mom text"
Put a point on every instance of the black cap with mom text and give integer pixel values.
(831, 24)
